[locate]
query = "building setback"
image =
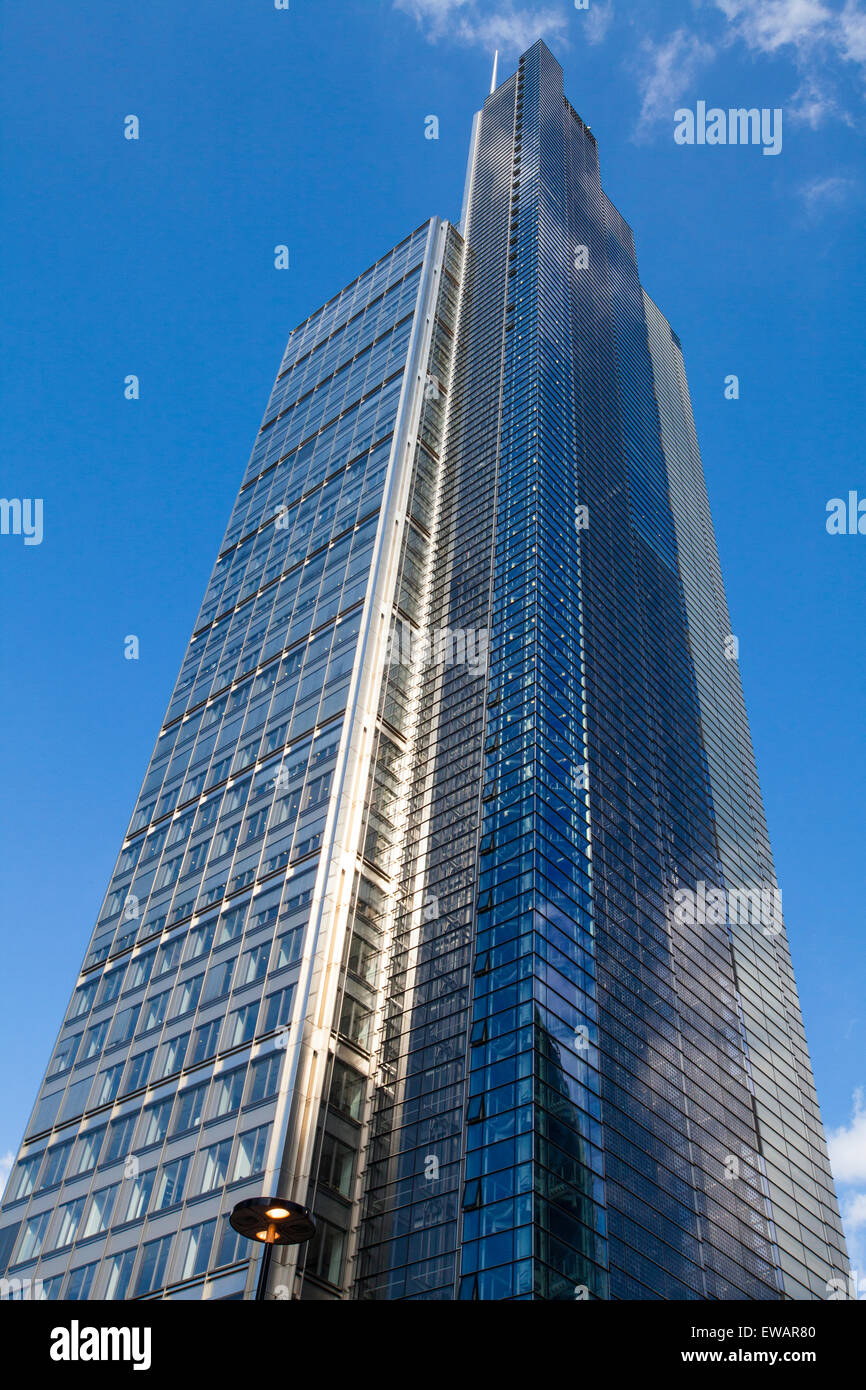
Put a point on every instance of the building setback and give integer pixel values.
(444, 908)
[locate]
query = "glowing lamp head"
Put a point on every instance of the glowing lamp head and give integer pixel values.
(273, 1221)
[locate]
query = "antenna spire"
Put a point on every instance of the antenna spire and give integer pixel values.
(495, 71)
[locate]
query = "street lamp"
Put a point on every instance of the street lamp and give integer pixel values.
(272, 1221)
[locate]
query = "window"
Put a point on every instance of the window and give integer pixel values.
(173, 1054)
(205, 1041)
(265, 909)
(220, 770)
(265, 1076)
(337, 1166)
(242, 877)
(151, 1271)
(121, 942)
(123, 1026)
(325, 1258)
(56, 1159)
(87, 1151)
(75, 1101)
(232, 1246)
(209, 812)
(98, 1217)
(219, 980)
(227, 1092)
(83, 998)
(80, 1282)
(114, 904)
(155, 1010)
(108, 1085)
(142, 816)
(289, 948)
(154, 925)
(169, 956)
(251, 1152)
(195, 1248)
(169, 872)
(112, 984)
(347, 1091)
(65, 1054)
(232, 924)
(68, 1219)
(241, 1024)
(276, 738)
(189, 1111)
(187, 995)
(193, 786)
(8, 1237)
(279, 1008)
(256, 824)
(23, 1179)
(155, 1122)
(166, 803)
(225, 840)
(137, 1192)
(94, 1040)
(139, 1070)
(363, 959)
(254, 965)
(215, 1165)
(118, 1270)
(33, 1236)
(180, 828)
(154, 843)
(171, 1184)
(200, 940)
(119, 1142)
(140, 970)
(197, 856)
(236, 797)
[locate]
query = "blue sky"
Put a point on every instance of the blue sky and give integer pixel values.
(305, 127)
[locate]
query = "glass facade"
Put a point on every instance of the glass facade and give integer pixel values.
(164, 1100)
(411, 921)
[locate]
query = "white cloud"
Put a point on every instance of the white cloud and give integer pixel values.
(848, 1161)
(812, 27)
(504, 24)
(853, 1209)
(852, 32)
(435, 14)
(667, 71)
(597, 21)
(813, 104)
(822, 195)
(814, 34)
(6, 1161)
(768, 25)
(848, 1143)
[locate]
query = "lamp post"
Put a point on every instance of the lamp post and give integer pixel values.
(272, 1221)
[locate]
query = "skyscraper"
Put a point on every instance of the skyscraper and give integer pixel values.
(447, 906)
